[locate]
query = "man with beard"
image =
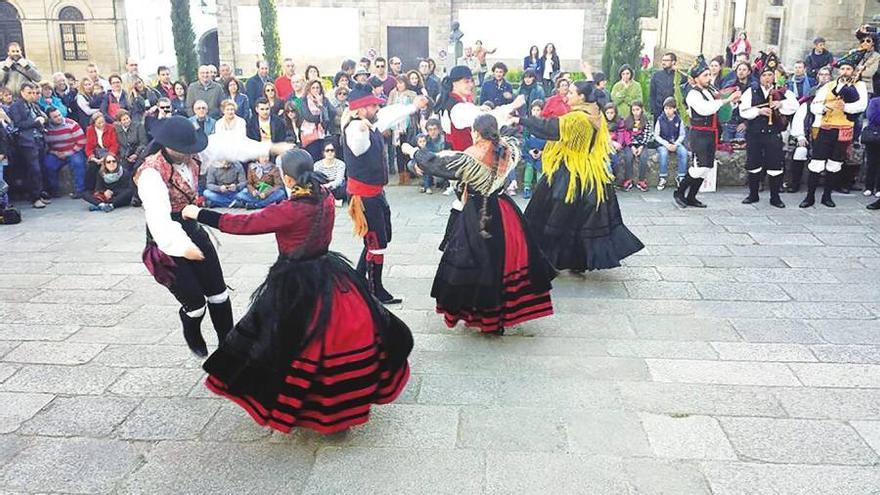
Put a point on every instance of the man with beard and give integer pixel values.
(662, 84)
(367, 177)
(17, 69)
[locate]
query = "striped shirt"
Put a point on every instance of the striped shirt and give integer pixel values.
(65, 138)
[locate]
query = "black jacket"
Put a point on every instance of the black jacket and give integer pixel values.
(662, 87)
(279, 132)
(30, 133)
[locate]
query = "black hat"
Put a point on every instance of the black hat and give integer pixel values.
(460, 72)
(699, 66)
(179, 134)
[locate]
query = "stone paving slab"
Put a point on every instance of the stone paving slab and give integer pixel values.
(736, 354)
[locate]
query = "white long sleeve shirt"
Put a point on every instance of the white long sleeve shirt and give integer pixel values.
(748, 112)
(700, 105)
(357, 138)
(856, 107)
(463, 115)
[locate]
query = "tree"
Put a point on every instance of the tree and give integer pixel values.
(184, 40)
(271, 40)
(623, 38)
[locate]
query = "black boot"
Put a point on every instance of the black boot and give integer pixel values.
(810, 198)
(874, 206)
(679, 194)
(221, 317)
(192, 333)
(796, 175)
(754, 180)
(830, 179)
(378, 289)
(775, 186)
(362, 264)
(692, 193)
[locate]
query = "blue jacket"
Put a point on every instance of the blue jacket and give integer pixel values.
(30, 131)
(494, 92)
(254, 88)
(538, 65)
(209, 125)
(805, 87)
(244, 106)
(55, 103)
(873, 112)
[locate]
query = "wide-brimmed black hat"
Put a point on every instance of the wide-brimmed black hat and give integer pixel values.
(179, 134)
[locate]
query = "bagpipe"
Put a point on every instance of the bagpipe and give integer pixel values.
(725, 113)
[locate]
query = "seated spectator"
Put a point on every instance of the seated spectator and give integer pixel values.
(201, 119)
(334, 169)
(65, 142)
(5, 149)
(131, 138)
(178, 103)
(670, 132)
(6, 98)
(317, 117)
(225, 181)
(264, 186)
(164, 108)
(276, 105)
(100, 141)
(436, 143)
(266, 126)
(48, 98)
(84, 109)
(641, 135)
(113, 186)
(531, 89)
(230, 122)
(141, 99)
(620, 139)
(66, 92)
(292, 122)
(497, 89)
(243, 104)
(533, 149)
(557, 105)
(114, 100)
(600, 81)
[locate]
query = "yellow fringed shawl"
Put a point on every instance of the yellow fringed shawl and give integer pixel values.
(587, 166)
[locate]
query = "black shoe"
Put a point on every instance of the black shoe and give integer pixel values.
(828, 202)
(807, 202)
(136, 202)
(793, 189)
(842, 190)
(250, 206)
(696, 203)
(750, 199)
(389, 299)
(777, 202)
(192, 333)
(679, 199)
(874, 206)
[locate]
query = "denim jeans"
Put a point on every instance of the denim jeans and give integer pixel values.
(663, 158)
(730, 134)
(77, 163)
(220, 199)
(628, 160)
(247, 197)
(4, 197)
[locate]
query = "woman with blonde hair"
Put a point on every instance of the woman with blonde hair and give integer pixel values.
(230, 122)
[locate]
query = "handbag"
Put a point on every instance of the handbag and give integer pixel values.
(871, 135)
(310, 132)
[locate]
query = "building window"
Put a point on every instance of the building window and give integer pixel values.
(776, 3)
(73, 34)
(771, 35)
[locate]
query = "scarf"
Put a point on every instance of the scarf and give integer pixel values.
(112, 177)
(584, 151)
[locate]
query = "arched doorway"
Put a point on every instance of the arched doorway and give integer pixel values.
(209, 49)
(10, 27)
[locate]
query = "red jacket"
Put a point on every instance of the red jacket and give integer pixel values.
(283, 87)
(109, 138)
(555, 106)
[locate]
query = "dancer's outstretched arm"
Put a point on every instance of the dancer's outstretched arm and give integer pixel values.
(268, 220)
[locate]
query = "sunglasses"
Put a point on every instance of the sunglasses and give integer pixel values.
(109, 161)
(270, 90)
(329, 151)
(164, 108)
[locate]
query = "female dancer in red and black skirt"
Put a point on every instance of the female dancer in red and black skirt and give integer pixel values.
(492, 275)
(315, 349)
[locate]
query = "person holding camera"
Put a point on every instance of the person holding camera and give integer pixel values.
(17, 69)
(30, 120)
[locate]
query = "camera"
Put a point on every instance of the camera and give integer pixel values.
(871, 29)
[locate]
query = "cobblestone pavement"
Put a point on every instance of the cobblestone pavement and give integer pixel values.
(739, 353)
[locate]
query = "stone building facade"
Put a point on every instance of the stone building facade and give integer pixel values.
(689, 27)
(324, 32)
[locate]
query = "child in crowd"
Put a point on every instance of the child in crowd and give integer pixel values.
(334, 169)
(641, 134)
(670, 132)
(224, 181)
(620, 139)
(436, 142)
(113, 186)
(421, 143)
(264, 186)
(533, 147)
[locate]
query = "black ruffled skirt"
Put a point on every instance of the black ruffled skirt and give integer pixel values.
(578, 236)
(315, 349)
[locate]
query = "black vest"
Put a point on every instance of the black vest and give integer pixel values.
(369, 168)
(761, 124)
(698, 120)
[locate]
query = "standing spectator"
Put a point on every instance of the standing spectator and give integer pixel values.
(480, 54)
(65, 142)
(339, 102)
(312, 73)
(113, 187)
(817, 58)
(741, 45)
(292, 120)
(550, 67)
(131, 72)
(243, 104)
(201, 119)
(5, 152)
(131, 137)
(141, 99)
(341, 80)
(361, 75)
(224, 182)
(435, 143)
(872, 154)
(870, 63)
(93, 74)
(669, 132)
(29, 120)
(264, 186)
(49, 99)
(533, 148)
(254, 85)
(404, 131)
(207, 90)
(114, 100)
(270, 93)
(625, 91)
(230, 122)
(533, 60)
(83, 102)
(225, 74)
(662, 84)
(380, 72)
(334, 169)
(284, 82)
(497, 90)
(468, 60)
(715, 75)
(734, 130)
(66, 93)
(17, 69)
(601, 84)
(641, 135)
(348, 66)
(100, 140)
(317, 114)
(365, 62)
(432, 84)
(531, 89)
(298, 95)
(556, 105)
(178, 103)
(6, 98)
(265, 126)
(799, 84)
(164, 86)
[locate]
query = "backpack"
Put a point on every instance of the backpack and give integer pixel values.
(9, 216)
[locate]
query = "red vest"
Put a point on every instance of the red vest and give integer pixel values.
(459, 139)
(180, 193)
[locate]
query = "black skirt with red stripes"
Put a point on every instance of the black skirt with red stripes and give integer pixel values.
(492, 275)
(315, 350)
